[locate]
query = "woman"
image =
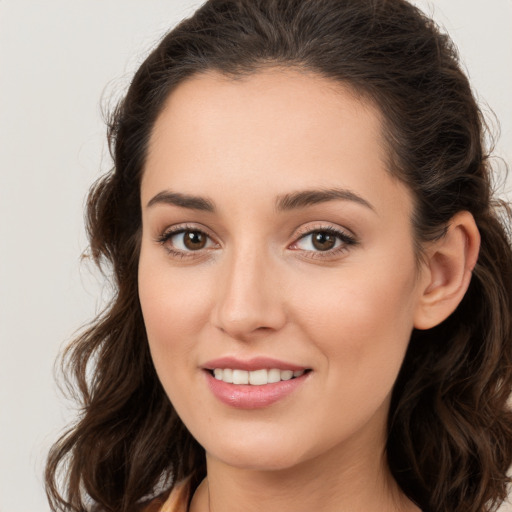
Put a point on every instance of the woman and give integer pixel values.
(313, 282)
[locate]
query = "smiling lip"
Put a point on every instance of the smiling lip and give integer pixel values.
(246, 396)
(257, 363)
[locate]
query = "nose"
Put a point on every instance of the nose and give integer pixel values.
(250, 298)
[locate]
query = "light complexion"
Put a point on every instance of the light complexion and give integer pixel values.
(276, 243)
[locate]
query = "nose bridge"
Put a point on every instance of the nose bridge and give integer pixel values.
(248, 298)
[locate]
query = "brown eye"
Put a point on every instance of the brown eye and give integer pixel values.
(186, 240)
(194, 240)
(329, 241)
(323, 240)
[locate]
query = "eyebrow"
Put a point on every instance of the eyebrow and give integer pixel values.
(182, 200)
(304, 198)
(286, 202)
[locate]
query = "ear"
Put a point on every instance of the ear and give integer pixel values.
(446, 271)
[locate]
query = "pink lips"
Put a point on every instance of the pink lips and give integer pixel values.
(252, 364)
(245, 396)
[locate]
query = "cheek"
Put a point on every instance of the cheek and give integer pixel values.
(174, 308)
(361, 320)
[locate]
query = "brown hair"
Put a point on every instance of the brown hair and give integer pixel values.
(450, 429)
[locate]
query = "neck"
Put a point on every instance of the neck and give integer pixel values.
(362, 482)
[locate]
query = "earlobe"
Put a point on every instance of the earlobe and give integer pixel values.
(447, 271)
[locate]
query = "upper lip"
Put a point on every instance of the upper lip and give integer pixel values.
(255, 363)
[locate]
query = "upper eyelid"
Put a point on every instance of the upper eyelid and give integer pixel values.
(345, 238)
(309, 229)
(180, 228)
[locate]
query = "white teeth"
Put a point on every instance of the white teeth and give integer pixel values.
(274, 375)
(240, 377)
(286, 374)
(256, 377)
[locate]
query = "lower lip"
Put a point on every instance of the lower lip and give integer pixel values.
(246, 396)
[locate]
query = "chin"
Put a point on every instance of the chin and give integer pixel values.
(256, 453)
(266, 461)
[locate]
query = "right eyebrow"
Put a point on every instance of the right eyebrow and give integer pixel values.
(183, 201)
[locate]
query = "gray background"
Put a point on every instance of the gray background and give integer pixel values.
(58, 58)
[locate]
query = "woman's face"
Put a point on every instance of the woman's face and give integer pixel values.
(275, 241)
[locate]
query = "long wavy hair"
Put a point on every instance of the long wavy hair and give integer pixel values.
(450, 429)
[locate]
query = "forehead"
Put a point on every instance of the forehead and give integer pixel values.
(290, 101)
(292, 128)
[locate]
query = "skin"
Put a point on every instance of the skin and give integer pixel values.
(260, 288)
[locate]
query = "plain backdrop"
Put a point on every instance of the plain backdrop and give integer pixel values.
(60, 60)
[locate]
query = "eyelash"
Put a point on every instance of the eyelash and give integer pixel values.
(346, 240)
(176, 230)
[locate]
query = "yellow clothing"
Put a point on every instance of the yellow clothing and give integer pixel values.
(177, 501)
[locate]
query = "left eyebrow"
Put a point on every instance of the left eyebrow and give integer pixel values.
(304, 198)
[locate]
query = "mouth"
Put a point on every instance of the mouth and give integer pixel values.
(259, 377)
(255, 383)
